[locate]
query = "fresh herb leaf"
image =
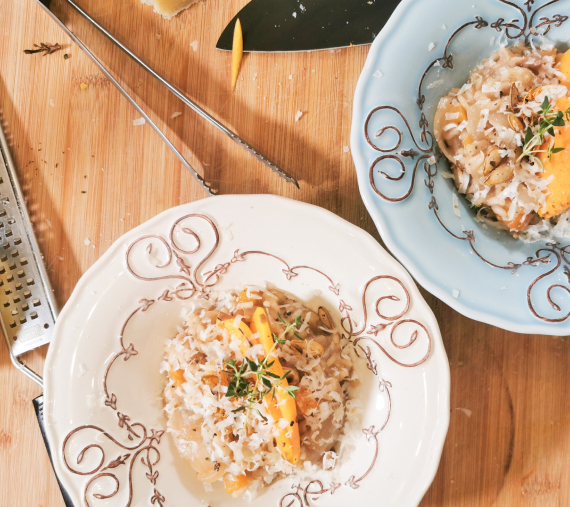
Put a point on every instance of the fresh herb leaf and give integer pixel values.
(291, 327)
(535, 134)
(298, 335)
(261, 415)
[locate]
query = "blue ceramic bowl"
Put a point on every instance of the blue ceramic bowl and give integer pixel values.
(428, 47)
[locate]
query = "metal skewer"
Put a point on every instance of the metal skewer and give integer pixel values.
(178, 93)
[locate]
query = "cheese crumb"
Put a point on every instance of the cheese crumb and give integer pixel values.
(378, 74)
(194, 45)
(455, 293)
(456, 209)
(435, 84)
(298, 115)
(87, 241)
(431, 46)
(176, 114)
(139, 121)
(345, 149)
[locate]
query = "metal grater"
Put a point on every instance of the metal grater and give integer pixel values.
(27, 307)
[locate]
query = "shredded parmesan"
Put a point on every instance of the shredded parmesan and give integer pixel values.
(201, 416)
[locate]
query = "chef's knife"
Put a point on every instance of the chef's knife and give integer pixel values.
(39, 408)
(308, 25)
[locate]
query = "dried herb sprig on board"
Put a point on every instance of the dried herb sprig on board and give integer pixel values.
(46, 49)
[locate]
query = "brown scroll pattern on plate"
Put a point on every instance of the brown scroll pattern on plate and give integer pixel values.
(531, 24)
(196, 282)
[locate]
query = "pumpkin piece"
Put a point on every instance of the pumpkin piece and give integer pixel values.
(458, 109)
(224, 378)
(242, 331)
(558, 197)
(244, 298)
(178, 377)
(235, 483)
(305, 403)
(237, 53)
(519, 223)
(283, 405)
(564, 67)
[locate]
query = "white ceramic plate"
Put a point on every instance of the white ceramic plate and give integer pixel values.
(102, 383)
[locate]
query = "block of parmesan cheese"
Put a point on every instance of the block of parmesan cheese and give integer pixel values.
(169, 8)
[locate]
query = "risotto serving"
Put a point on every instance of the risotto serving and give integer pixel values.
(259, 386)
(505, 133)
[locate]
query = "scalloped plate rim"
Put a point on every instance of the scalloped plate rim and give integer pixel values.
(444, 416)
(399, 252)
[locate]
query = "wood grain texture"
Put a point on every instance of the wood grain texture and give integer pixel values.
(88, 172)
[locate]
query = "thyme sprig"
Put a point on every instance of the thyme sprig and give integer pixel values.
(289, 327)
(535, 134)
(253, 380)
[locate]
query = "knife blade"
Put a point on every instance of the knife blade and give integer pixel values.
(39, 409)
(308, 25)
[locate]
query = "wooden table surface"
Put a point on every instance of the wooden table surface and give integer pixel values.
(88, 172)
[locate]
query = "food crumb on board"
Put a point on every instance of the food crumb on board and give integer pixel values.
(176, 114)
(431, 160)
(345, 149)
(431, 46)
(298, 115)
(466, 411)
(378, 74)
(291, 76)
(87, 241)
(455, 293)
(139, 121)
(294, 14)
(194, 45)
(83, 86)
